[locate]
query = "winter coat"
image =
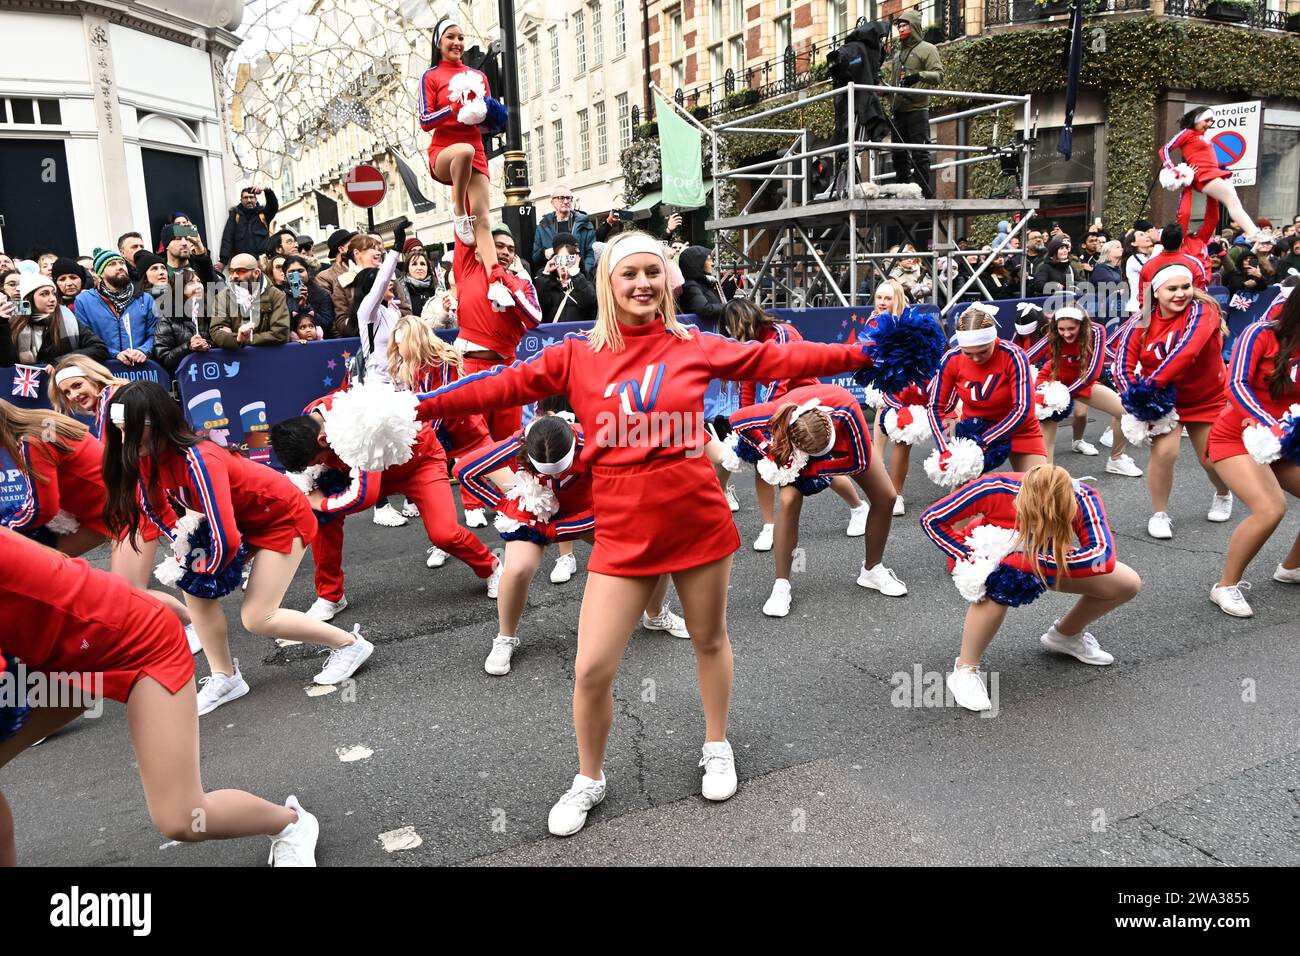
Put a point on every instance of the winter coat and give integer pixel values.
(577, 303)
(270, 328)
(579, 226)
(78, 338)
(132, 329)
(915, 56)
(318, 302)
(247, 230)
(701, 296)
(1063, 274)
(172, 341)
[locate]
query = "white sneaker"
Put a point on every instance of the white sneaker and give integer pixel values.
(882, 579)
(1287, 575)
(1220, 508)
(388, 517)
(1123, 465)
(192, 636)
(1083, 447)
(498, 659)
(494, 579)
(463, 226)
(1159, 526)
(764, 540)
(475, 518)
(732, 502)
(295, 845)
(437, 558)
(778, 604)
(243, 578)
(570, 812)
(323, 610)
(967, 687)
(719, 765)
(1107, 438)
(343, 662)
(499, 296)
(410, 510)
(1231, 600)
(858, 520)
(900, 508)
(566, 566)
(1084, 647)
(217, 689)
(666, 621)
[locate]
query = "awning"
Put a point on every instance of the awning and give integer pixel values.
(646, 203)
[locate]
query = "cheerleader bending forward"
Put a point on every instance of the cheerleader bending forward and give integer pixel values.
(815, 433)
(546, 499)
(637, 384)
(1255, 448)
(1009, 537)
(118, 642)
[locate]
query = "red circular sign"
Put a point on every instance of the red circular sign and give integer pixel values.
(1229, 147)
(365, 186)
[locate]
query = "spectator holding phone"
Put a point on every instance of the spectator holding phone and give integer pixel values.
(248, 227)
(184, 330)
(185, 251)
(564, 220)
(303, 296)
(41, 331)
(565, 294)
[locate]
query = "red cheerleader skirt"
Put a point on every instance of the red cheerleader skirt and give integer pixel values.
(1225, 436)
(1208, 174)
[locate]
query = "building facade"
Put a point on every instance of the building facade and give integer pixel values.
(112, 116)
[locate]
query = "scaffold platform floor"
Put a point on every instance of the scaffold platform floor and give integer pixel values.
(834, 212)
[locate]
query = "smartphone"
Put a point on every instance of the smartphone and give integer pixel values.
(187, 232)
(24, 307)
(295, 283)
(623, 215)
(567, 261)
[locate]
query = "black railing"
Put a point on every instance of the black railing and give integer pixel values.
(1257, 15)
(1004, 12)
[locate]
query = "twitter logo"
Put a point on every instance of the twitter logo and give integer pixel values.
(231, 370)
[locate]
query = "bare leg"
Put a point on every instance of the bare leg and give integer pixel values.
(480, 206)
(1021, 462)
(899, 460)
(786, 536)
(1160, 469)
(1078, 424)
(1098, 595)
(214, 633)
(1107, 402)
(454, 165)
(703, 592)
(655, 605)
(982, 622)
(1199, 433)
(136, 567)
(41, 723)
(1049, 439)
(841, 485)
(262, 614)
(1223, 191)
(79, 542)
(766, 495)
(1259, 491)
(523, 558)
(880, 493)
(1288, 476)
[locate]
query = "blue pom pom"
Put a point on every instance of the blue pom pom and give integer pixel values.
(12, 716)
(497, 117)
(1063, 414)
(333, 481)
(1291, 441)
(810, 485)
(1107, 379)
(1147, 401)
(210, 586)
(904, 350)
(525, 533)
(1013, 587)
(974, 429)
(747, 452)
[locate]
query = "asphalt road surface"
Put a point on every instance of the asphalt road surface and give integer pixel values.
(1182, 752)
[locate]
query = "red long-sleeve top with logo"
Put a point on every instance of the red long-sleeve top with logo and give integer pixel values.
(643, 404)
(501, 332)
(1195, 148)
(1195, 265)
(1000, 390)
(751, 392)
(849, 455)
(1070, 370)
(439, 114)
(1254, 357)
(245, 502)
(992, 500)
(572, 488)
(1184, 351)
(71, 481)
(466, 431)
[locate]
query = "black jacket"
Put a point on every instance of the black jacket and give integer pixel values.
(318, 302)
(700, 295)
(171, 342)
(581, 302)
(1063, 274)
(86, 343)
(247, 230)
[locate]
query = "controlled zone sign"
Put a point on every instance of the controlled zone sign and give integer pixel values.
(1235, 138)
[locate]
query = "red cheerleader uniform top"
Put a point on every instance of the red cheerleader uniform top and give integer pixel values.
(1254, 357)
(1196, 150)
(245, 502)
(71, 482)
(1196, 265)
(101, 411)
(466, 432)
(992, 500)
(1070, 370)
(480, 324)
(1000, 390)
(439, 114)
(1184, 351)
(851, 451)
(644, 404)
(751, 392)
(572, 489)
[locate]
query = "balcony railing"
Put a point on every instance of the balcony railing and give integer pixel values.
(1004, 12)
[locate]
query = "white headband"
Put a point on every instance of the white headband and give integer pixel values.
(72, 371)
(1169, 272)
(985, 308)
(972, 338)
(636, 243)
(1069, 312)
(452, 20)
(117, 413)
(552, 468)
(830, 442)
(1027, 328)
(1207, 113)
(804, 409)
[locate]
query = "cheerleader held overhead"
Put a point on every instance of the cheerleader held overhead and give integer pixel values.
(1200, 169)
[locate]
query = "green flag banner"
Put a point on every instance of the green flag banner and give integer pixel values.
(680, 158)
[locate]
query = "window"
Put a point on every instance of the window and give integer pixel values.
(523, 75)
(597, 35)
(837, 16)
(584, 140)
(624, 121)
(1279, 173)
(580, 41)
(602, 138)
(620, 28)
(738, 54)
(676, 50)
(715, 20)
(27, 110)
(737, 15)
(783, 38)
(558, 128)
(554, 33)
(528, 150)
(537, 66)
(540, 133)
(716, 67)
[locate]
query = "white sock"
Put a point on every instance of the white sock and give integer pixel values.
(601, 781)
(781, 584)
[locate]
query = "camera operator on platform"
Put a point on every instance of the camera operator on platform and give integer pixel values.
(912, 62)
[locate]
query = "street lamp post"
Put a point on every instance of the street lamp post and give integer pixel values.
(518, 214)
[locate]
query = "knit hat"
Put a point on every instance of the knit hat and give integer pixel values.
(1142, 225)
(65, 267)
(411, 245)
(29, 282)
(502, 230)
(144, 259)
(102, 258)
(166, 236)
(337, 240)
(1054, 245)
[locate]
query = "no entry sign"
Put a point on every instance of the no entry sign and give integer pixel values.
(365, 186)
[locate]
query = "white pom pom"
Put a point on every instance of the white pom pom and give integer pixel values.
(989, 544)
(533, 496)
(728, 459)
(1178, 177)
(970, 575)
(965, 463)
(505, 524)
(186, 525)
(1033, 374)
(915, 433)
(873, 397)
(1262, 444)
(473, 113)
(305, 480)
(1056, 399)
(770, 472)
(1140, 433)
(372, 427)
(169, 572)
(992, 541)
(62, 523)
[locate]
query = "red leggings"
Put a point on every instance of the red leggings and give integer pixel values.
(430, 489)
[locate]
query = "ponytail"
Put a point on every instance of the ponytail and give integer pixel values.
(1045, 513)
